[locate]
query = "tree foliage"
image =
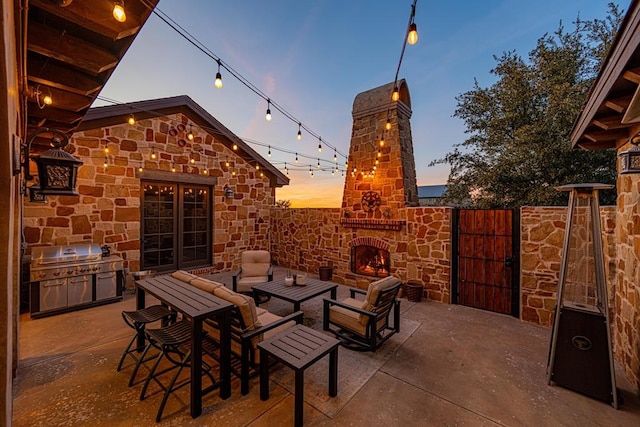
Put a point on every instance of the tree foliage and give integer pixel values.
(519, 147)
(282, 203)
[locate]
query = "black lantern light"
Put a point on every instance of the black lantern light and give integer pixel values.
(631, 158)
(57, 169)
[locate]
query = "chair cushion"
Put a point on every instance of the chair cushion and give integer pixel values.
(373, 292)
(346, 318)
(246, 305)
(245, 283)
(255, 263)
(183, 276)
(266, 319)
(205, 284)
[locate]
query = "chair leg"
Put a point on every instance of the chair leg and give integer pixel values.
(151, 375)
(183, 363)
(139, 363)
(126, 352)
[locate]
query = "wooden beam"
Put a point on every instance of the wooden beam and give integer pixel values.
(618, 104)
(632, 115)
(95, 16)
(65, 100)
(600, 145)
(57, 44)
(633, 75)
(54, 75)
(49, 112)
(609, 122)
(606, 135)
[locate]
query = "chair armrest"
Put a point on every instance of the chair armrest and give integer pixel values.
(234, 284)
(354, 291)
(297, 316)
(329, 302)
(270, 273)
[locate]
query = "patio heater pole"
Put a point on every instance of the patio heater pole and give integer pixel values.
(580, 354)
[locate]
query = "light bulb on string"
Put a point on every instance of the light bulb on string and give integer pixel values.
(299, 131)
(153, 154)
(412, 36)
(190, 134)
(106, 147)
(268, 115)
(319, 145)
(310, 170)
(47, 100)
(106, 162)
(335, 155)
(387, 125)
(395, 96)
(140, 168)
(227, 163)
(269, 153)
(192, 159)
(218, 82)
(205, 171)
(382, 140)
(296, 157)
(118, 11)
(318, 163)
(257, 167)
(235, 147)
(173, 167)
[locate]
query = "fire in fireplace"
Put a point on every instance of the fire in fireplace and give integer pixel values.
(370, 261)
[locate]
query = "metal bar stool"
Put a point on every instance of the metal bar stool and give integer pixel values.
(138, 320)
(174, 343)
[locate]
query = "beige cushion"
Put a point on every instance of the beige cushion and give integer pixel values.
(183, 275)
(346, 318)
(255, 263)
(205, 284)
(266, 319)
(246, 305)
(244, 284)
(373, 292)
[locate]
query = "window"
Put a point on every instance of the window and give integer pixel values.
(176, 225)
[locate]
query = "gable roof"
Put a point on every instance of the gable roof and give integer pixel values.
(613, 103)
(117, 114)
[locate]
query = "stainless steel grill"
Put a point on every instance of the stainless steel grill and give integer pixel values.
(71, 276)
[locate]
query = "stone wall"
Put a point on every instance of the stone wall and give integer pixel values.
(541, 240)
(107, 210)
(306, 239)
(627, 276)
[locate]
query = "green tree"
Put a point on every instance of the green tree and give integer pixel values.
(519, 147)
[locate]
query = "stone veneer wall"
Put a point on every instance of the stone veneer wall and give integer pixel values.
(627, 275)
(107, 211)
(541, 240)
(306, 239)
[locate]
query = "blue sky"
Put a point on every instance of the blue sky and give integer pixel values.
(314, 57)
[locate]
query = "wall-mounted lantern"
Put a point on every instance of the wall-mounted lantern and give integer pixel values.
(57, 169)
(228, 192)
(631, 158)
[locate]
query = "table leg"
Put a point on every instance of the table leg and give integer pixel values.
(140, 304)
(333, 372)
(333, 292)
(298, 393)
(264, 375)
(296, 306)
(196, 368)
(224, 322)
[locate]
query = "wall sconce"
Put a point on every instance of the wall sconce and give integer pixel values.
(57, 169)
(631, 158)
(228, 192)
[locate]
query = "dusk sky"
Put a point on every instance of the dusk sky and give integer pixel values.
(314, 57)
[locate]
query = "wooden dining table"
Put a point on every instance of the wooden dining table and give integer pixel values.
(195, 305)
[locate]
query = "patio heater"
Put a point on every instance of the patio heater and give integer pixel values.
(580, 356)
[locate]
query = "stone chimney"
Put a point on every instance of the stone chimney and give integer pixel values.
(383, 192)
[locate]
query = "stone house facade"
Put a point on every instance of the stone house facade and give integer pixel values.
(119, 157)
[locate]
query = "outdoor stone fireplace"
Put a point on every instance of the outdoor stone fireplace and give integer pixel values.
(370, 257)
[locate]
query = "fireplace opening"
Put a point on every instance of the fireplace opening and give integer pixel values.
(370, 261)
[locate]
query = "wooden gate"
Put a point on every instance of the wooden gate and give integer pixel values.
(486, 259)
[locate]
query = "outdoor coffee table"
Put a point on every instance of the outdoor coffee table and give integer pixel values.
(295, 294)
(299, 347)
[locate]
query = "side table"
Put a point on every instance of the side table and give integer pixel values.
(299, 347)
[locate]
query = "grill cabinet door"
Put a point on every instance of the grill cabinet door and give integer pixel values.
(79, 291)
(106, 284)
(53, 294)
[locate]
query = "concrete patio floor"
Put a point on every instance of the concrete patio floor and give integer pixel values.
(460, 367)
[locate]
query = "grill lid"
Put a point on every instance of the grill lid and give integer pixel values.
(51, 255)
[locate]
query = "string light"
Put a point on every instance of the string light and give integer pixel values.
(296, 157)
(319, 145)
(235, 147)
(190, 134)
(173, 167)
(387, 126)
(268, 115)
(218, 82)
(192, 160)
(395, 96)
(318, 163)
(153, 154)
(106, 147)
(269, 153)
(106, 162)
(299, 131)
(140, 168)
(131, 120)
(382, 140)
(335, 156)
(412, 37)
(118, 11)
(47, 100)
(227, 163)
(205, 171)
